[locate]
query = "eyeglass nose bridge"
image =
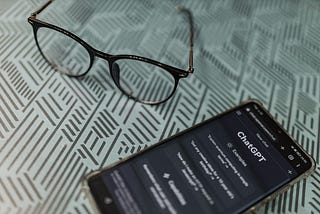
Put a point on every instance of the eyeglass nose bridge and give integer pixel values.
(102, 55)
(113, 67)
(111, 61)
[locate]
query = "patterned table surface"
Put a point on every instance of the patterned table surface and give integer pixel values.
(55, 129)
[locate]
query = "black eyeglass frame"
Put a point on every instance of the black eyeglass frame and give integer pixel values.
(177, 73)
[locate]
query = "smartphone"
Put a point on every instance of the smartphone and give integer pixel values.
(231, 163)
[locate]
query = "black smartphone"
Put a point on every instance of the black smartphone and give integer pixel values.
(231, 163)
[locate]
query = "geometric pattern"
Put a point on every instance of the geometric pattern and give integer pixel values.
(55, 129)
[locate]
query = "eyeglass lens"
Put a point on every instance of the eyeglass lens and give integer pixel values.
(62, 52)
(144, 81)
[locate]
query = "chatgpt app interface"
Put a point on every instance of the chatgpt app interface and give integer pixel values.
(223, 166)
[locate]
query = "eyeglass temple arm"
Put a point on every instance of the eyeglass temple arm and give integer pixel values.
(190, 17)
(34, 14)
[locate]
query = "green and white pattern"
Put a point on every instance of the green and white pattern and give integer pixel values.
(55, 129)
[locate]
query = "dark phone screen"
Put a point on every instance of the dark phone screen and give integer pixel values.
(225, 165)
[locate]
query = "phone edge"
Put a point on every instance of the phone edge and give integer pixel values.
(283, 189)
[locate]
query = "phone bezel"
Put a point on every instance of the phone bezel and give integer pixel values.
(256, 206)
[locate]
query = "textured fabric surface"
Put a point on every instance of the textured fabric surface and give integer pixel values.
(55, 129)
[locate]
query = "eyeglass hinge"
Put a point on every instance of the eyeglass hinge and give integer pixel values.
(190, 70)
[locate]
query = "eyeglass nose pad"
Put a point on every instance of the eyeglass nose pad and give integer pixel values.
(116, 73)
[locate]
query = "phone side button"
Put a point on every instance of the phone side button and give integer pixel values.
(108, 201)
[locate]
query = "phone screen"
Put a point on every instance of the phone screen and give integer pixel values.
(224, 165)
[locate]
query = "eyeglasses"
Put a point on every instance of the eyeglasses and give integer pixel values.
(142, 79)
